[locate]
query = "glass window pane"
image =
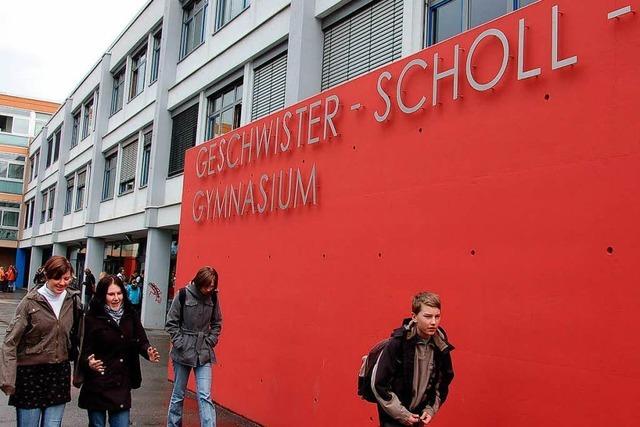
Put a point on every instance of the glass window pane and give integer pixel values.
(39, 126)
(523, 3)
(239, 92)
(16, 171)
(227, 121)
(3, 169)
(447, 20)
(482, 11)
(20, 125)
(216, 126)
(197, 31)
(228, 98)
(10, 219)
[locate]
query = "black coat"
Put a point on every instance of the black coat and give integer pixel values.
(119, 347)
(396, 365)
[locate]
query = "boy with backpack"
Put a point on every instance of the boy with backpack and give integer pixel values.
(408, 375)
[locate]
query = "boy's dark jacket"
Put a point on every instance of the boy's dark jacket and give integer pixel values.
(395, 368)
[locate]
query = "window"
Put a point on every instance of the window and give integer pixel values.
(229, 9)
(118, 91)
(109, 178)
(15, 171)
(138, 69)
(82, 175)
(446, 18)
(75, 131)
(14, 124)
(52, 199)
(12, 166)
(87, 120)
(9, 217)
(269, 84)
(46, 209)
(223, 110)
(11, 173)
(146, 157)
(53, 147)
(365, 40)
(41, 121)
(193, 26)
(128, 167)
(155, 57)
(50, 144)
(68, 200)
(28, 213)
(43, 206)
(34, 161)
(6, 124)
(183, 137)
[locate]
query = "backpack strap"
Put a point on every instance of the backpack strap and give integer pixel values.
(182, 296)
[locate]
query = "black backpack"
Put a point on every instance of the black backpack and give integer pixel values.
(369, 361)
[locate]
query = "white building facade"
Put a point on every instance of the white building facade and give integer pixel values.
(105, 173)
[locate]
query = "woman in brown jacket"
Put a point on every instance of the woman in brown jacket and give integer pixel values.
(34, 362)
(113, 341)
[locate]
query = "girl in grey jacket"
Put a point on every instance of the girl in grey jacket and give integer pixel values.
(194, 323)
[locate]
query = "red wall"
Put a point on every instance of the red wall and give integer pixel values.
(537, 177)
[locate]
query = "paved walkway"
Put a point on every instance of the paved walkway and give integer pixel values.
(150, 402)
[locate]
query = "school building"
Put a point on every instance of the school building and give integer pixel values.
(331, 158)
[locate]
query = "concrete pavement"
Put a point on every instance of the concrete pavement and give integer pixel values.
(150, 402)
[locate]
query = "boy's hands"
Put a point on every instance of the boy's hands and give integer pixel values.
(425, 418)
(411, 420)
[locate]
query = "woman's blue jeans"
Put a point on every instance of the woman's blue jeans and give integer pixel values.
(203, 388)
(51, 416)
(116, 418)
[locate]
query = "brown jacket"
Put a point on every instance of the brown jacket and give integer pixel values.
(35, 336)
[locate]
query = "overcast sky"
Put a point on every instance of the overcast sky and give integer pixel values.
(48, 46)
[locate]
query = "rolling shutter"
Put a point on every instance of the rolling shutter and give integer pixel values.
(128, 165)
(363, 41)
(183, 137)
(269, 84)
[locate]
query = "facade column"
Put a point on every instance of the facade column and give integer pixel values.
(22, 279)
(94, 258)
(34, 264)
(156, 278)
(304, 60)
(59, 249)
(412, 26)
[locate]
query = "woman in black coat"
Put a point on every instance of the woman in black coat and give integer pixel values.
(113, 340)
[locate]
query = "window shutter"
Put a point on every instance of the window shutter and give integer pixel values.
(183, 137)
(128, 165)
(269, 85)
(147, 138)
(363, 41)
(81, 178)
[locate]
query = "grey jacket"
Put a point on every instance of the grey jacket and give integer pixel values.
(35, 336)
(193, 342)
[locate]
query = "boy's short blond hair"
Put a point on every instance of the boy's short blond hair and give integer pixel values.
(429, 299)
